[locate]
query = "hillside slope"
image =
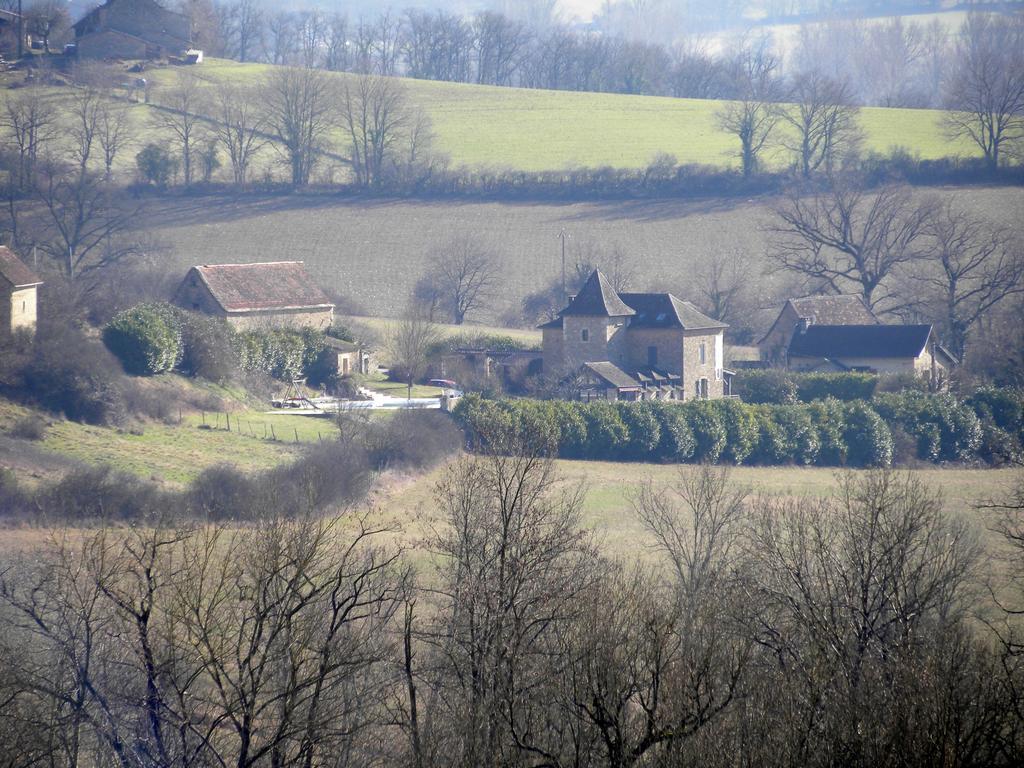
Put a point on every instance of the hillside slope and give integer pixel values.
(531, 130)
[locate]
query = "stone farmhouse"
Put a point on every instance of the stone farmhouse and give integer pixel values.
(18, 295)
(635, 346)
(808, 310)
(277, 294)
(885, 349)
(132, 29)
(840, 333)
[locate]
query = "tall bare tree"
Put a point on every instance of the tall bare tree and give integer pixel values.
(180, 113)
(240, 127)
(465, 272)
(300, 112)
(113, 133)
(972, 266)
(408, 344)
(985, 95)
(846, 236)
(29, 120)
(825, 121)
(376, 116)
(752, 114)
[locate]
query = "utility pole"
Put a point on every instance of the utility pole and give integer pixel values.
(563, 235)
(21, 32)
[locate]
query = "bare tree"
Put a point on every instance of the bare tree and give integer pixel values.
(972, 266)
(985, 97)
(281, 37)
(47, 19)
(336, 44)
(113, 132)
(300, 110)
(240, 127)
(375, 115)
(179, 113)
(85, 226)
(752, 115)
(30, 122)
(243, 25)
(846, 236)
(87, 108)
(311, 27)
(465, 273)
(499, 43)
(825, 122)
(409, 342)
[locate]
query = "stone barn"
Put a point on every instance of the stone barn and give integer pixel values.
(18, 295)
(277, 294)
(132, 29)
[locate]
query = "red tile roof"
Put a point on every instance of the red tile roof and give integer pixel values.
(14, 271)
(263, 286)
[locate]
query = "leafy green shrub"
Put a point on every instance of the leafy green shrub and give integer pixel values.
(677, 440)
(741, 430)
(767, 386)
(1004, 406)
(606, 433)
(147, 338)
(156, 165)
(946, 429)
(708, 430)
(644, 430)
(841, 386)
(572, 428)
(280, 353)
(829, 420)
(867, 437)
(209, 347)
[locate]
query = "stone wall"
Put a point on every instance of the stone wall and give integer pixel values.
(18, 311)
(694, 369)
(667, 341)
(320, 319)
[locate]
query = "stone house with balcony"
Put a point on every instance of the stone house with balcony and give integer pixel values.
(18, 295)
(277, 294)
(635, 346)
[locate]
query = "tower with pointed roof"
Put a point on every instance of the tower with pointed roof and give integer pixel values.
(636, 345)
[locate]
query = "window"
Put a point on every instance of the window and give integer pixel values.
(652, 356)
(585, 335)
(703, 353)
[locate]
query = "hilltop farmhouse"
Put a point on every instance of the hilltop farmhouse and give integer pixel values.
(132, 29)
(635, 346)
(269, 294)
(18, 295)
(840, 333)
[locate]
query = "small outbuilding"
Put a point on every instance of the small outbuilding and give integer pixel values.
(348, 357)
(277, 294)
(18, 295)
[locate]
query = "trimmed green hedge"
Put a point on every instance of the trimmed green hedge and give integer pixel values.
(155, 338)
(146, 338)
(827, 433)
(786, 387)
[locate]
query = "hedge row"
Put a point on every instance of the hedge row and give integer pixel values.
(823, 433)
(156, 338)
(787, 388)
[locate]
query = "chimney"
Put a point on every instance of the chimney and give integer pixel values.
(803, 324)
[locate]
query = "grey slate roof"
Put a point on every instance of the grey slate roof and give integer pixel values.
(663, 310)
(597, 298)
(844, 341)
(612, 374)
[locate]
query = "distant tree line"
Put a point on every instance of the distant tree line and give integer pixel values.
(762, 630)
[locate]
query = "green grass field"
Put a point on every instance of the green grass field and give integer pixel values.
(534, 130)
(608, 513)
